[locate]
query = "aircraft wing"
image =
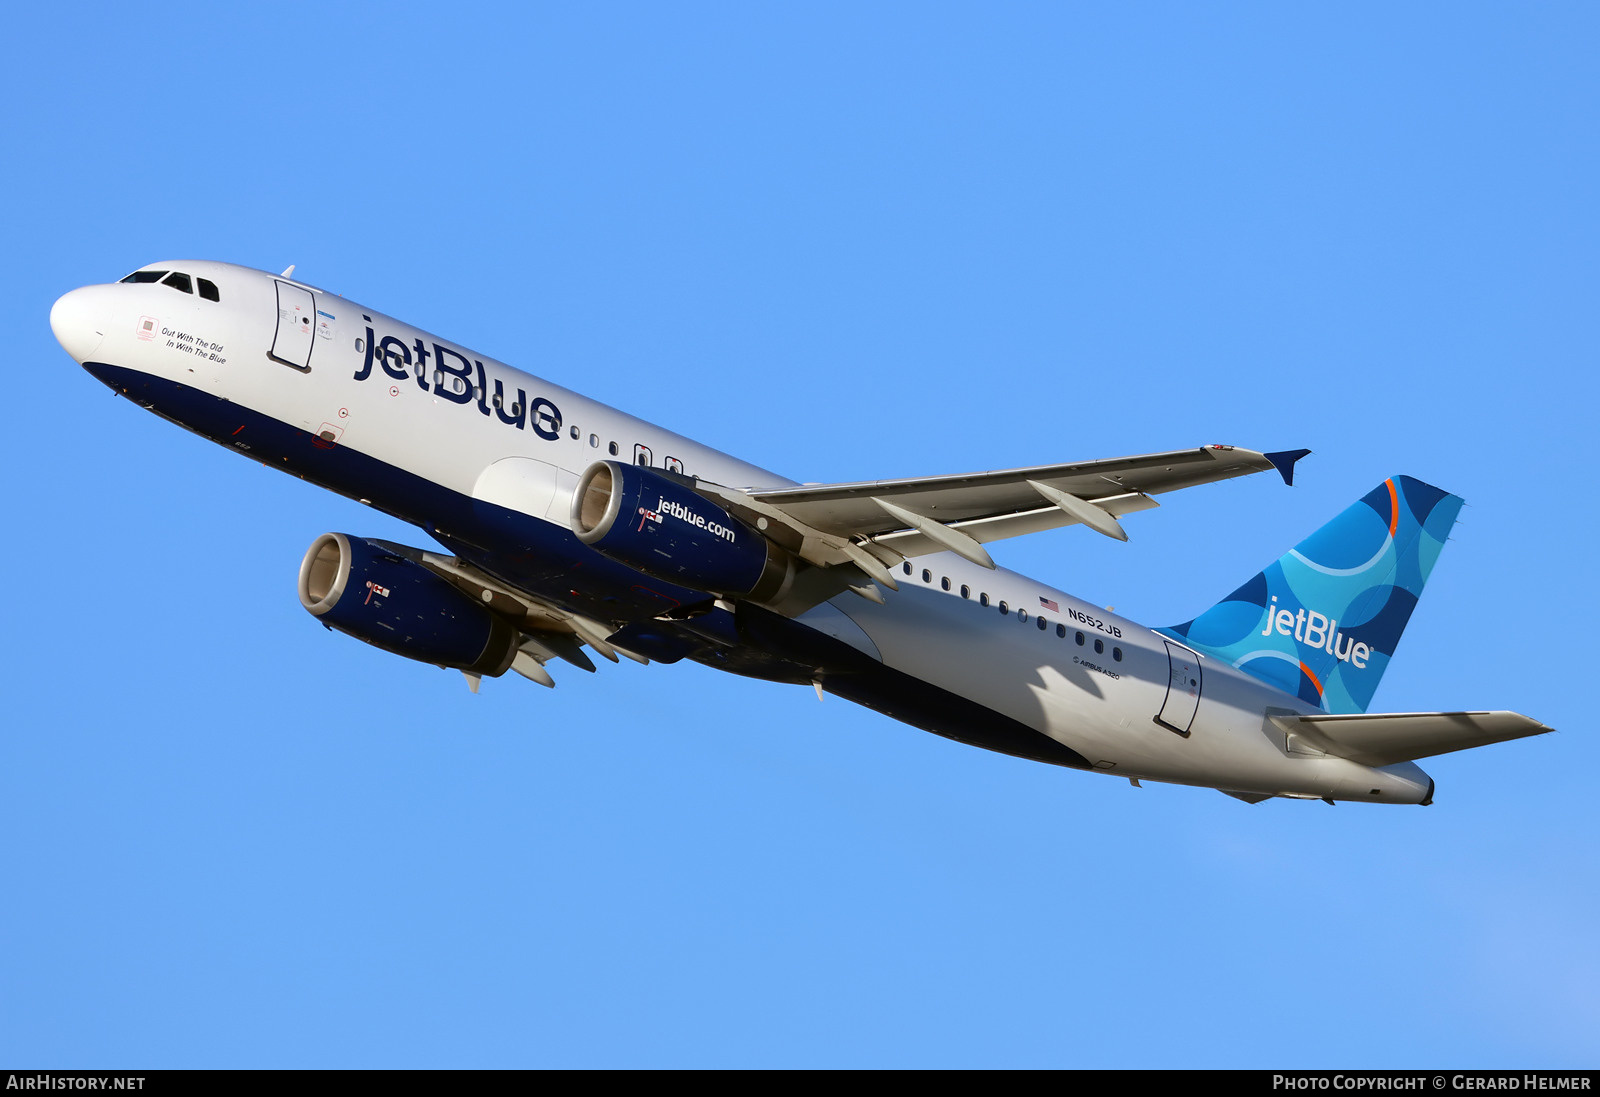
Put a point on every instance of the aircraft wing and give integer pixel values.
(889, 520)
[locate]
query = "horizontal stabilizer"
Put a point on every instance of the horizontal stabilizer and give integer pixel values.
(1384, 738)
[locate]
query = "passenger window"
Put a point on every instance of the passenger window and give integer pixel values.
(1099, 646)
(1061, 631)
(927, 576)
(178, 281)
(140, 276)
(1116, 653)
(906, 567)
(944, 581)
(1079, 637)
(1022, 615)
(966, 591)
(1042, 624)
(612, 449)
(1004, 608)
(642, 455)
(208, 290)
(575, 434)
(594, 439)
(983, 599)
(672, 464)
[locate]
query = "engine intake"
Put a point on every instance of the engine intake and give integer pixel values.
(365, 590)
(660, 526)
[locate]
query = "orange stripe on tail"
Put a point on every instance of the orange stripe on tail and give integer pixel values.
(1313, 677)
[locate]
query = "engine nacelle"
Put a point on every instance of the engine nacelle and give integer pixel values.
(658, 525)
(364, 590)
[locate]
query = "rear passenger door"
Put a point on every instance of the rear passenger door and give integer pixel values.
(1183, 689)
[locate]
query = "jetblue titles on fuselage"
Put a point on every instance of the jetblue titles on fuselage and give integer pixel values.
(459, 379)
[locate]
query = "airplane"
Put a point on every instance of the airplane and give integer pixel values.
(571, 528)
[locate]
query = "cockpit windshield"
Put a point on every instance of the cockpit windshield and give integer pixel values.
(177, 280)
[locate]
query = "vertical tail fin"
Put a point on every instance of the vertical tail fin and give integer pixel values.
(1322, 622)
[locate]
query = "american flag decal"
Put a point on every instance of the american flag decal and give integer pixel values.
(1049, 605)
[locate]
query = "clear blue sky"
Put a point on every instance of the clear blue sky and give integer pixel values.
(843, 241)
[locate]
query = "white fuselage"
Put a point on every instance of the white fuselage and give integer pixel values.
(442, 413)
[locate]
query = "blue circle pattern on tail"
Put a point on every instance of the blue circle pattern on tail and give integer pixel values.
(1322, 622)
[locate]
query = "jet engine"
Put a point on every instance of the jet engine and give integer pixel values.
(659, 525)
(365, 590)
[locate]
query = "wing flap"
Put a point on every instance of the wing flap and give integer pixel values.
(1001, 526)
(1384, 738)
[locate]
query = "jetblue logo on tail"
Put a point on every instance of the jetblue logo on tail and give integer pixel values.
(1314, 630)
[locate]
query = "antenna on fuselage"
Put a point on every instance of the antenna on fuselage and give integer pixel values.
(287, 271)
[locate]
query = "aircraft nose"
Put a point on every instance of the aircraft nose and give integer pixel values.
(77, 326)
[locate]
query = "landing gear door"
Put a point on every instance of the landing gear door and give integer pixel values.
(292, 342)
(1183, 690)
